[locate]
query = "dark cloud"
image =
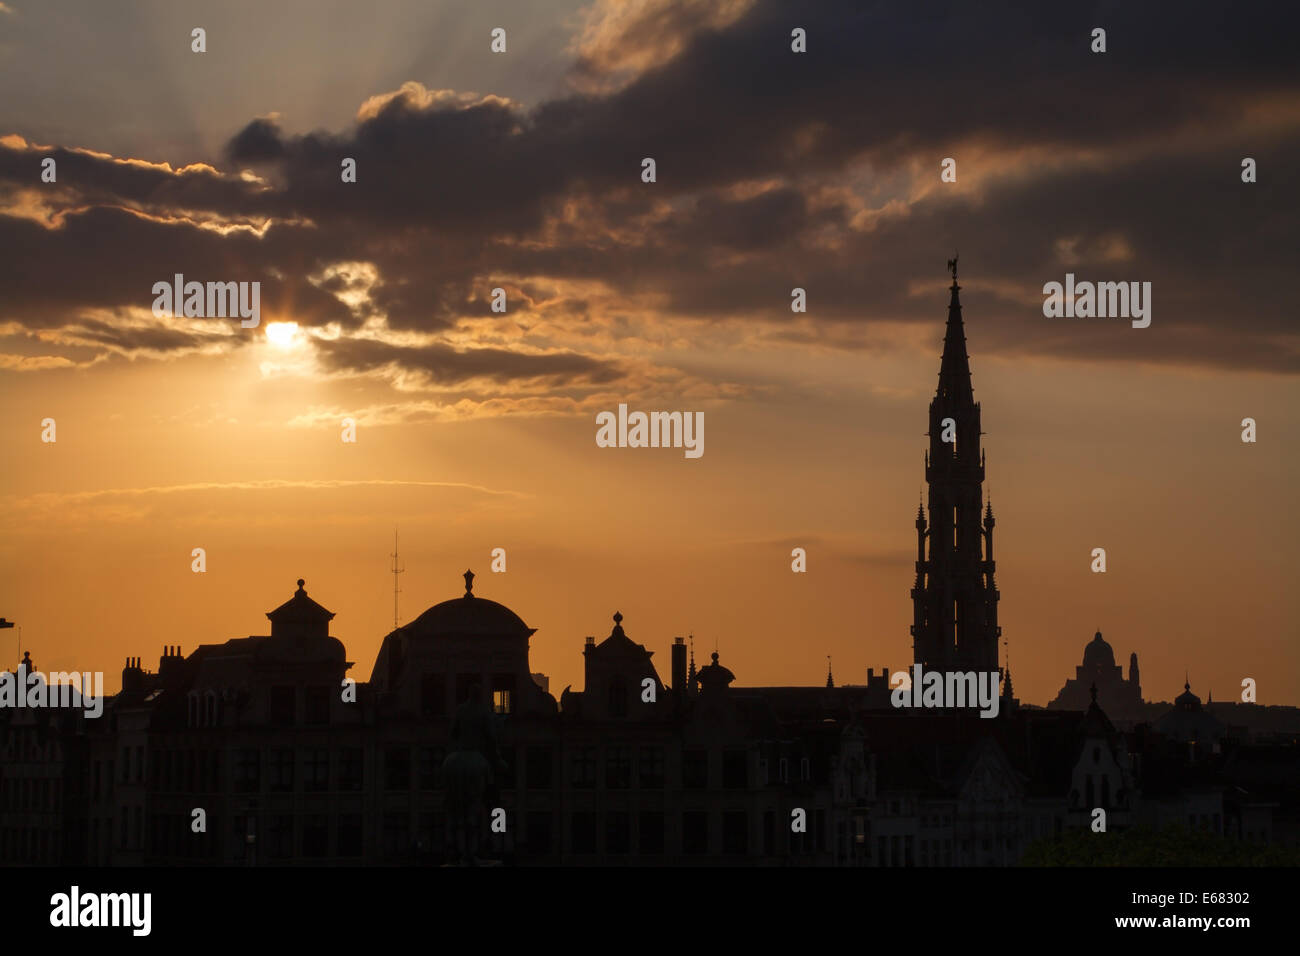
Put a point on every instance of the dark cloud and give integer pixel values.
(454, 198)
(445, 365)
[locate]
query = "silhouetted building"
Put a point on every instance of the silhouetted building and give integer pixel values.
(1122, 699)
(262, 751)
(1191, 724)
(954, 598)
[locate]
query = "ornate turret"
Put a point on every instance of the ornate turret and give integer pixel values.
(300, 616)
(713, 677)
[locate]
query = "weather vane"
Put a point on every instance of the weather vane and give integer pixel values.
(952, 266)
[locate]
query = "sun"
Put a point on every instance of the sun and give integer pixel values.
(283, 335)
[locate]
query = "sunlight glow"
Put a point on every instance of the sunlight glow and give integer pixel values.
(283, 335)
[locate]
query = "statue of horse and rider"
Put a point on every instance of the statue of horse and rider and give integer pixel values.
(470, 773)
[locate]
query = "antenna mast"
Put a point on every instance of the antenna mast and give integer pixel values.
(396, 569)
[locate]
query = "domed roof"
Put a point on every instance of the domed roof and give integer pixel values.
(1187, 700)
(469, 616)
(1098, 653)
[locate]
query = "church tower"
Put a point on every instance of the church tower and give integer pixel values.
(954, 599)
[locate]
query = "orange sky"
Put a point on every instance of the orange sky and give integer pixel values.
(476, 429)
(152, 461)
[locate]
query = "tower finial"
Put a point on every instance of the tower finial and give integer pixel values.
(952, 267)
(830, 681)
(469, 583)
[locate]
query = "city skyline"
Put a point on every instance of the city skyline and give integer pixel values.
(477, 430)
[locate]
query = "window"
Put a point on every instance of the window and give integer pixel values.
(650, 764)
(503, 693)
(583, 836)
(618, 768)
(433, 695)
(617, 691)
(248, 771)
(282, 770)
(352, 768)
(769, 832)
(539, 832)
(650, 833)
(282, 706)
(316, 770)
(397, 833)
(538, 768)
(349, 834)
(318, 705)
(734, 769)
(735, 832)
(280, 837)
(805, 769)
(431, 759)
(463, 684)
(695, 769)
(783, 770)
(695, 832)
(315, 835)
(618, 832)
(397, 768)
(583, 768)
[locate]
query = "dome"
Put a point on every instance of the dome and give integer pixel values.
(1098, 654)
(1187, 700)
(469, 616)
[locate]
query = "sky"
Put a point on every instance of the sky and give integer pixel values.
(522, 170)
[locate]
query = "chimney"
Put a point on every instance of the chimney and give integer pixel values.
(171, 657)
(679, 666)
(132, 676)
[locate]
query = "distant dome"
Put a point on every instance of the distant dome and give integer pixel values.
(1098, 654)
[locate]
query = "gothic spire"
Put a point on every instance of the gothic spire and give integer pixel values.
(954, 369)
